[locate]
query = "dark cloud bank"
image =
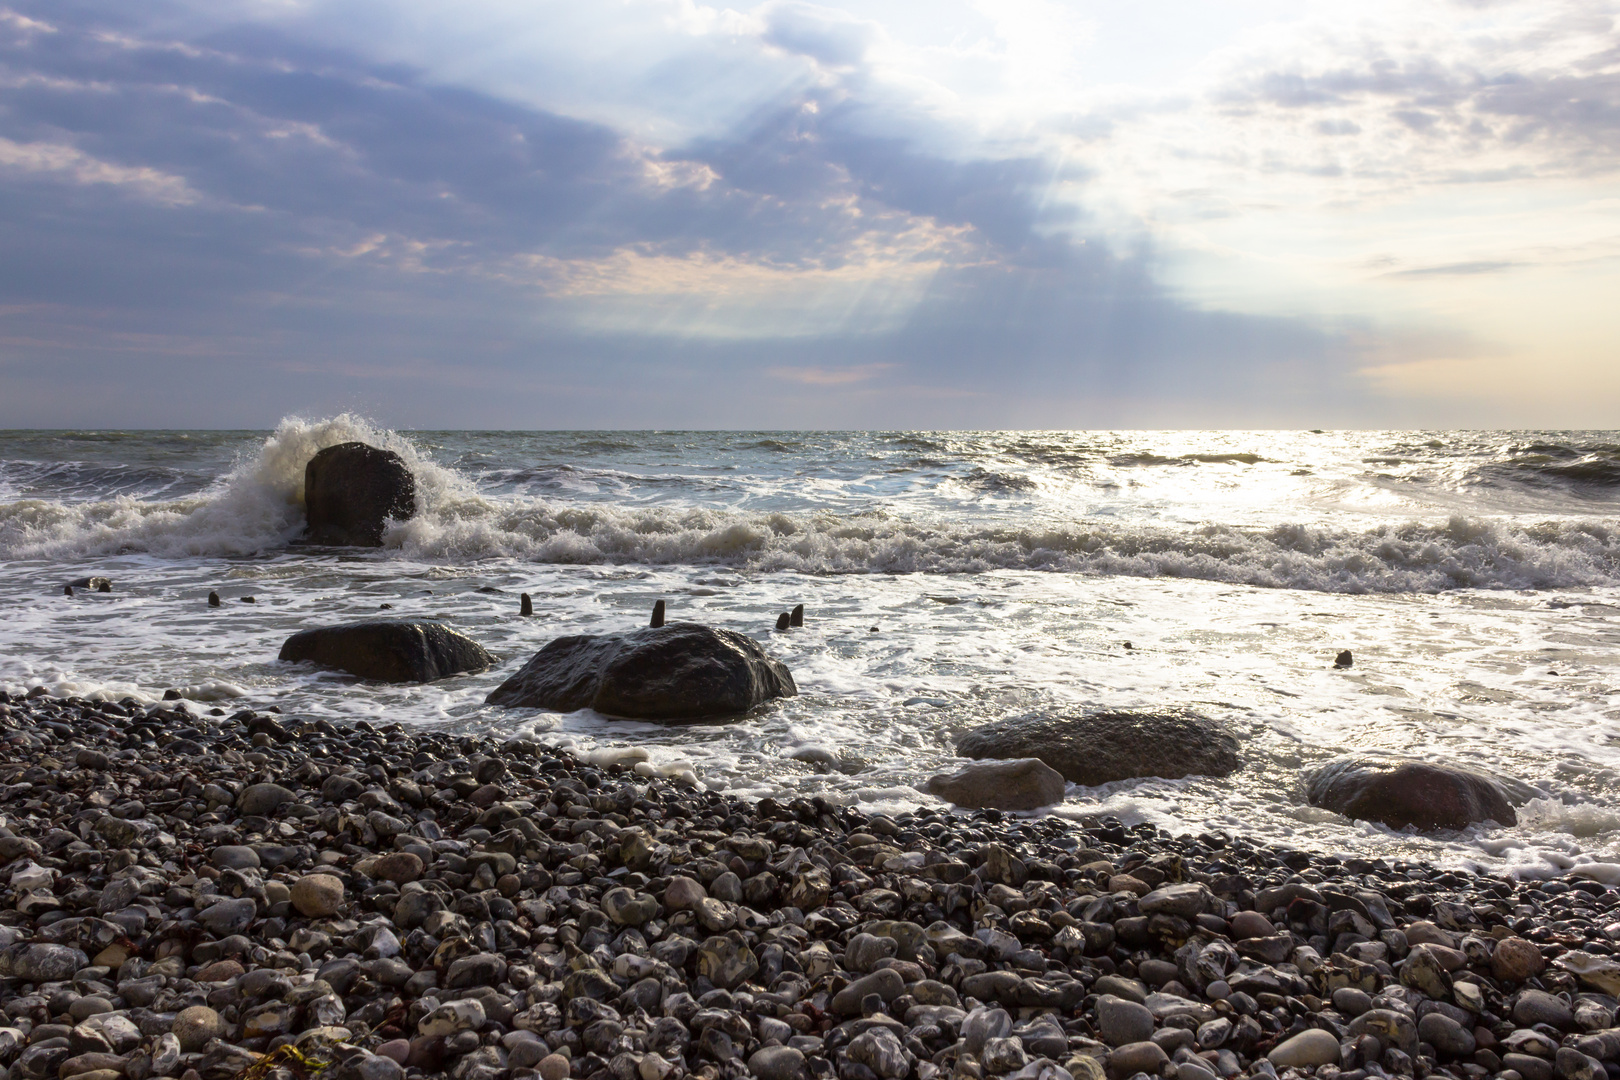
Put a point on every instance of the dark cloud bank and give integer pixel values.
(215, 231)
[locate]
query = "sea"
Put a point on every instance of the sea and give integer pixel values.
(949, 579)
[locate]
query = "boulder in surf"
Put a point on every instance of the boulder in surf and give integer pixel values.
(1100, 747)
(387, 650)
(1020, 784)
(352, 490)
(678, 672)
(1399, 792)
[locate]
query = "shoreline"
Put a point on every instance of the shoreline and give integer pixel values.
(187, 892)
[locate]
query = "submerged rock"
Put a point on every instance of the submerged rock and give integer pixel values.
(1100, 747)
(1021, 784)
(351, 491)
(389, 650)
(1401, 791)
(682, 671)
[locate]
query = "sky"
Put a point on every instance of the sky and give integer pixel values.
(892, 213)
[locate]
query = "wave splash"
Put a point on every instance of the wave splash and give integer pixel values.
(1412, 557)
(257, 506)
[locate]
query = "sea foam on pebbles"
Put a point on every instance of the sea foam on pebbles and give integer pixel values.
(208, 898)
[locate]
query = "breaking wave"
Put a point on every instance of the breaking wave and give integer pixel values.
(258, 505)
(527, 510)
(462, 526)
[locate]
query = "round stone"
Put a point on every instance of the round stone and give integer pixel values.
(318, 896)
(260, 800)
(398, 1049)
(1139, 1057)
(1516, 960)
(683, 893)
(400, 867)
(1120, 1022)
(1306, 1050)
(1449, 1038)
(778, 1063)
(1250, 924)
(234, 857)
(194, 1026)
(553, 1067)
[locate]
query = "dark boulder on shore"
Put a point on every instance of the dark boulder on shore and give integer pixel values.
(1402, 791)
(681, 671)
(389, 650)
(1100, 747)
(351, 490)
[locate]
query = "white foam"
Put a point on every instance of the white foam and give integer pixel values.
(258, 506)
(1580, 819)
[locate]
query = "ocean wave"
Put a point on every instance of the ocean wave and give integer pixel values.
(458, 525)
(83, 479)
(257, 506)
(1562, 465)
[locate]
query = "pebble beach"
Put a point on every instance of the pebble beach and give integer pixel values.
(206, 896)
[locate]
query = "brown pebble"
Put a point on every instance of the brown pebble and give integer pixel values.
(318, 895)
(553, 1067)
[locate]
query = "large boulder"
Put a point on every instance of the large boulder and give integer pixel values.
(1024, 784)
(681, 671)
(1401, 791)
(1100, 747)
(389, 650)
(351, 490)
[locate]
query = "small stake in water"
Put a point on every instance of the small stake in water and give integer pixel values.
(796, 618)
(527, 605)
(67, 590)
(658, 615)
(213, 599)
(783, 621)
(1343, 660)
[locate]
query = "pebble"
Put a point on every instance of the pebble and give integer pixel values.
(1120, 1021)
(1306, 1050)
(190, 892)
(317, 896)
(194, 1026)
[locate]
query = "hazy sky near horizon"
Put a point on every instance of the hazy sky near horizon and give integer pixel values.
(889, 213)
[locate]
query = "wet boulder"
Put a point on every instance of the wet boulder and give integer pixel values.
(1021, 784)
(1100, 747)
(1402, 791)
(387, 650)
(351, 490)
(677, 672)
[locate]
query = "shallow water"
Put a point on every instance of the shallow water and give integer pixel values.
(1475, 575)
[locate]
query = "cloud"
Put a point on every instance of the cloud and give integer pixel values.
(79, 167)
(828, 36)
(367, 204)
(1481, 266)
